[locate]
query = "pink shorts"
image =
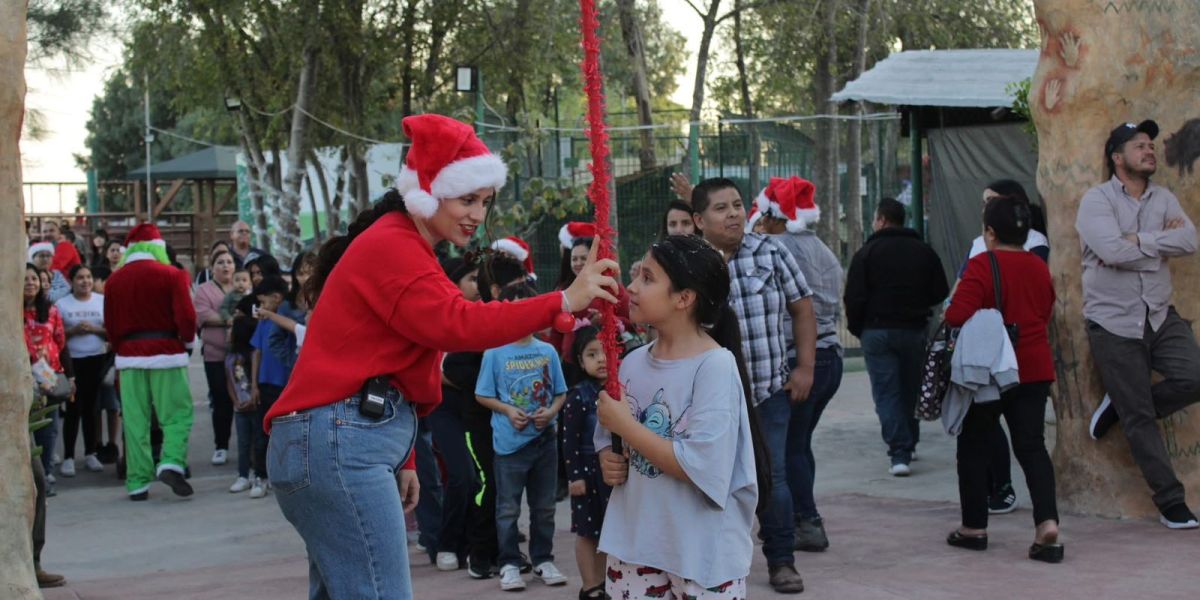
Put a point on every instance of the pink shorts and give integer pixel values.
(624, 581)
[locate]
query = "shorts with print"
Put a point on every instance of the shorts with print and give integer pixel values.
(624, 581)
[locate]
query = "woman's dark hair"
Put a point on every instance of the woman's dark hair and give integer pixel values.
(565, 275)
(500, 270)
(703, 190)
(212, 258)
(41, 304)
(75, 271)
(268, 265)
(1009, 187)
(1009, 218)
(516, 292)
(297, 265)
(108, 245)
(456, 268)
(212, 250)
(583, 337)
(271, 285)
(692, 264)
(101, 272)
(674, 205)
(333, 249)
(98, 255)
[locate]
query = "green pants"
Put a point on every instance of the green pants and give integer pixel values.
(165, 394)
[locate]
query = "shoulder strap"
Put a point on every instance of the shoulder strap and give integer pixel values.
(996, 281)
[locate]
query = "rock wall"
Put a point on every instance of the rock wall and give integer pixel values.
(16, 480)
(1104, 63)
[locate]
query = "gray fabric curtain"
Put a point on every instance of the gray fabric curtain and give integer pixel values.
(962, 161)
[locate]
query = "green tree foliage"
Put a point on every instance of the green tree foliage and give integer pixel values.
(61, 29)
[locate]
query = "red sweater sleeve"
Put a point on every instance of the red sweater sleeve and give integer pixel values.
(974, 292)
(183, 309)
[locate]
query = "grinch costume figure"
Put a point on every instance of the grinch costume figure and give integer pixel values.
(151, 324)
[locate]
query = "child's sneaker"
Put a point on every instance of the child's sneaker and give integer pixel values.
(510, 579)
(92, 463)
(258, 490)
(242, 484)
(67, 468)
(447, 561)
(549, 574)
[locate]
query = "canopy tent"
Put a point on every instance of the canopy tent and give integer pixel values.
(943, 78)
(215, 162)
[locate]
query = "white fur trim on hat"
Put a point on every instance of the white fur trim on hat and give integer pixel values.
(804, 218)
(755, 217)
(511, 248)
(40, 247)
(458, 178)
(564, 237)
(416, 200)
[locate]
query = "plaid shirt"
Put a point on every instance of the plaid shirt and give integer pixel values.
(765, 279)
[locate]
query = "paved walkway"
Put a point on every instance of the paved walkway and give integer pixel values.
(886, 533)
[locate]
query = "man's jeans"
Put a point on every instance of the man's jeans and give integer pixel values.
(777, 528)
(801, 465)
(1125, 365)
(533, 470)
(894, 358)
(334, 472)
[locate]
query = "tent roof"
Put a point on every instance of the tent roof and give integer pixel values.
(950, 78)
(216, 162)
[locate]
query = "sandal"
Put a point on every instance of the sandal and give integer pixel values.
(596, 593)
(969, 542)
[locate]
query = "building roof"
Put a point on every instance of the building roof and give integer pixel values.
(952, 78)
(215, 162)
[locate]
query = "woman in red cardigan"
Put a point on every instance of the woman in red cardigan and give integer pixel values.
(342, 432)
(1027, 293)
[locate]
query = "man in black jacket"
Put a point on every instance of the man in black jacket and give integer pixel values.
(893, 282)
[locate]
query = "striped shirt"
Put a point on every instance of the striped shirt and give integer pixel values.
(764, 279)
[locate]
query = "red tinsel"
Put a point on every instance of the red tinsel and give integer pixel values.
(598, 191)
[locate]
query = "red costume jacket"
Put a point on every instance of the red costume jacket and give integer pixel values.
(146, 297)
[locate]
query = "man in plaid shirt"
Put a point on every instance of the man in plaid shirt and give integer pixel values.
(766, 284)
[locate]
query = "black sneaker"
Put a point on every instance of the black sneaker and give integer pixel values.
(176, 482)
(810, 535)
(140, 496)
(1179, 517)
(107, 454)
(1003, 500)
(481, 569)
(1103, 419)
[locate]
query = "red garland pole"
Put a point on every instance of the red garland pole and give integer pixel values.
(598, 191)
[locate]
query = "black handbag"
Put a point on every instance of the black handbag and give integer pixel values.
(1014, 332)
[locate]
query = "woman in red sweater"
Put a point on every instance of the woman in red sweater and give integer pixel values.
(1028, 297)
(384, 311)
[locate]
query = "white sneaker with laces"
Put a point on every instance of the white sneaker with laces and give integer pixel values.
(900, 470)
(258, 490)
(549, 574)
(447, 561)
(510, 578)
(92, 463)
(220, 457)
(242, 484)
(67, 468)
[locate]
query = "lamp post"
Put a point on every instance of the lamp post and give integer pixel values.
(469, 79)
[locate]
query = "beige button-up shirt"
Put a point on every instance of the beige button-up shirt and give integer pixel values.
(1126, 283)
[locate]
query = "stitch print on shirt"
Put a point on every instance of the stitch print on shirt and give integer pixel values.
(657, 418)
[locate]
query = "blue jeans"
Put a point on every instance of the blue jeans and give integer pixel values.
(450, 437)
(248, 432)
(429, 506)
(534, 470)
(801, 465)
(894, 358)
(334, 473)
(777, 529)
(47, 439)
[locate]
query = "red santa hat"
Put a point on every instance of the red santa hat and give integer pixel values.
(145, 242)
(789, 199)
(38, 248)
(573, 231)
(144, 232)
(446, 160)
(518, 249)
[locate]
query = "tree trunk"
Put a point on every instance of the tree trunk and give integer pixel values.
(631, 30)
(752, 142)
(260, 188)
(520, 25)
(323, 183)
(854, 208)
(1098, 68)
(361, 185)
(407, 77)
(339, 192)
(828, 130)
(443, 13)
(287, 227)
(710, 27)
(16, 482)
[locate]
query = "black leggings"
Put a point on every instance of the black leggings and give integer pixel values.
(86, 407)
(1024, 410)
(222, 404)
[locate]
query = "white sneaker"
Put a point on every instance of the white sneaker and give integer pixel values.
(258, 490)
(447, 561)
(510, 578)
(92, 463)
(67, 468)
(242, 484)
(55, 459)
(220, 457)
(50, 479)
(900, 470)
(549, 574)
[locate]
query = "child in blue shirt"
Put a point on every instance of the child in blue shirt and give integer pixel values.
(269, 375)
(523, 385)
(589, 493)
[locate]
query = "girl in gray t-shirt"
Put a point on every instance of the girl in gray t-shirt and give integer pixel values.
(680, 516)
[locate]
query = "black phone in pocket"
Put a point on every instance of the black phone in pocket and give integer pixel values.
(373, 397)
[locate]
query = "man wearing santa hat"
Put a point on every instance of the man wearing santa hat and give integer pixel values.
(785, 210)
(41, 255)
(151, 324)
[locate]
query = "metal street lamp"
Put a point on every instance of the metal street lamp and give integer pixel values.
(233, 103)
(466, 79)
